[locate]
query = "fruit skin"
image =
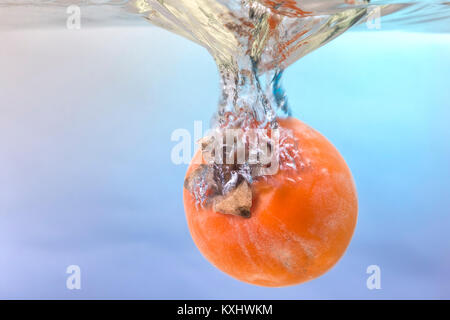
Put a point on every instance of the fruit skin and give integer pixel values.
(297, 231)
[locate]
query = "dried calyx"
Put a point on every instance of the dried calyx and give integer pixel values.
(207, 185)
(232, 159)
(224, 182)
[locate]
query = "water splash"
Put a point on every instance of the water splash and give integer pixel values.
(251, 41)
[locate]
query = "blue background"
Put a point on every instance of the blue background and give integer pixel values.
(86, 176)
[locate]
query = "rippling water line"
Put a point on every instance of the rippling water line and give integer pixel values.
(426, 16)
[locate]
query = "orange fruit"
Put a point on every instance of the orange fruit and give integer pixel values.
(301, 221)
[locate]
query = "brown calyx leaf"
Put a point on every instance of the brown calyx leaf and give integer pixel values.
(225, 186)
(202, 172)
(237, 202)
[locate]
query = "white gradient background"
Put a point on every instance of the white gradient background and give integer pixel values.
(86, 176)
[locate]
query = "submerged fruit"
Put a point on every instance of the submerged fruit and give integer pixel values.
(301, 221)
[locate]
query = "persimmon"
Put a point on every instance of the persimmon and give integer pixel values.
(299, 223)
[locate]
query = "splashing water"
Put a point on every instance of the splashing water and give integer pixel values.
(251, 41)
